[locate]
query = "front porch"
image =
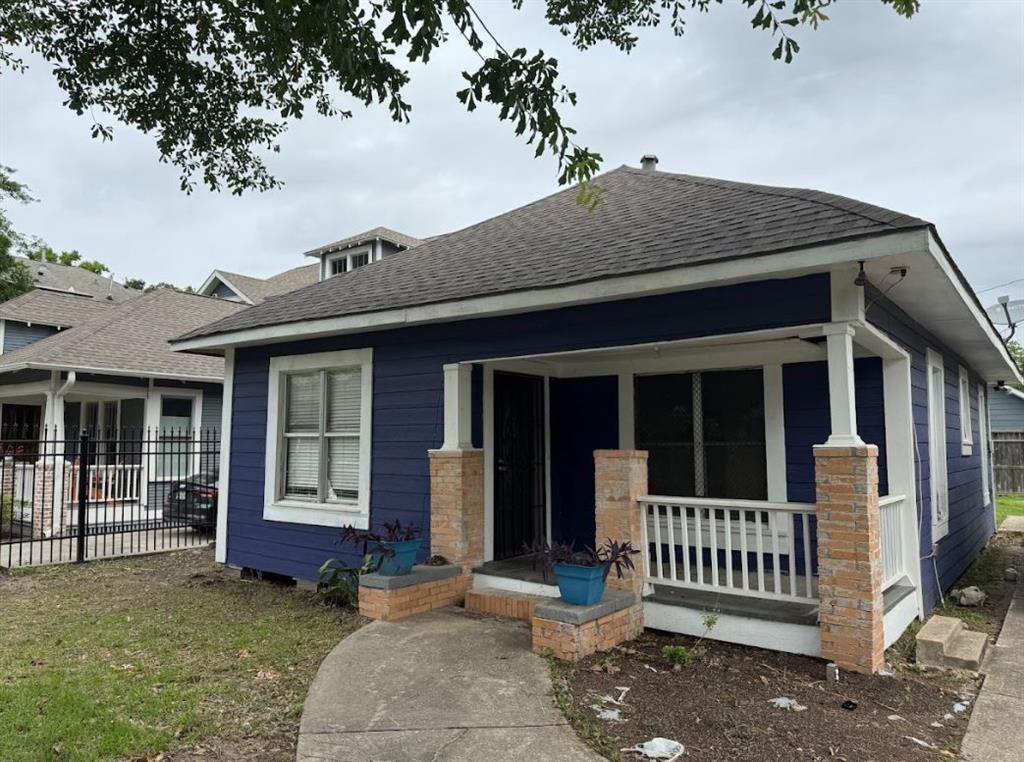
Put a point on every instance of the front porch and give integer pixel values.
(760, 502)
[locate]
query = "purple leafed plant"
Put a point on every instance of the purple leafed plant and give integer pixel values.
(375, 542)
(612, 554)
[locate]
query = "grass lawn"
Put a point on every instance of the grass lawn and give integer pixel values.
(165, 653)
(1009, 505)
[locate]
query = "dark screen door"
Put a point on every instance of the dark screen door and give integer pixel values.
(519, 493)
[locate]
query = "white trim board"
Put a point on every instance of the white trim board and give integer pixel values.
(224, 472)
(218, 275)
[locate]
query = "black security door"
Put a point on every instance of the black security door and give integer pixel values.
(519, 492)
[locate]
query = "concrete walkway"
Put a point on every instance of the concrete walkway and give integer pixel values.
(1012, 524)
(443, 686)
(996, 730)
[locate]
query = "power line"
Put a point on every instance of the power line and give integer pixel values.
(999, 285)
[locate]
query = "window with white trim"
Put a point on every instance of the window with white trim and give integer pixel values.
(346, 261)
(983, 439)
(966, 429)
(318, 438)
(938, 466)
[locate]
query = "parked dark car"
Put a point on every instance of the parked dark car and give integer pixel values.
(193, 501)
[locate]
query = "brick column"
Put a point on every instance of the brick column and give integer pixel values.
(43, 499)
(457, 506)
(620, 478)
(849, 557)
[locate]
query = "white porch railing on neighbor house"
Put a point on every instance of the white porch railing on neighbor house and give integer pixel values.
(891, 537)
(742, 547)
(120, 483)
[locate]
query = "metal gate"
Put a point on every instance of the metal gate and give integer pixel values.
(77, 496)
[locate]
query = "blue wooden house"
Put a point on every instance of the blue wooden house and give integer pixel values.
(783, 361)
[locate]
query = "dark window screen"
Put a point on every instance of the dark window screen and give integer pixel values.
(664, 427)
(734, 447)
(732, 409)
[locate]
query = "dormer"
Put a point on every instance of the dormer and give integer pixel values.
(358, 250)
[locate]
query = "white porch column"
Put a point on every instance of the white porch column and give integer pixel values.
(224, 464)
(458, 409)
(839, 338)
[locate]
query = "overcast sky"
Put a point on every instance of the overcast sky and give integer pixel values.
(923, 116)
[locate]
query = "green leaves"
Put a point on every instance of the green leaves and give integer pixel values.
(216, 82)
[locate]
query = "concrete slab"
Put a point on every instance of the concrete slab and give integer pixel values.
(441, 686)
(1012, 524)
(996, 730)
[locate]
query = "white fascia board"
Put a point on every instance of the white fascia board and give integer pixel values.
(945, 263)
(111, 372)
(782, 264)
(217, 275)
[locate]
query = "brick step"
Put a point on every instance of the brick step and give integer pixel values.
(944, 643)
(502, 603)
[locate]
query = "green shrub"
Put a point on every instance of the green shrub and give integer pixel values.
(339, 582)
(679, 655)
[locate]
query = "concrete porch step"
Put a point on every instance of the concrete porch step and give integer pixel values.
(502, 603)
(945, 643)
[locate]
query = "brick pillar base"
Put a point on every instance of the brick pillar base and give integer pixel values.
(849, 557)
(457, 506)
(620, 478)
(43, 500)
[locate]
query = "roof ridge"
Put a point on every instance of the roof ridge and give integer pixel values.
(811, 195)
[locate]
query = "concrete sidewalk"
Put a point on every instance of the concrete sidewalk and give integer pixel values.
(996, 730)
(441, 686)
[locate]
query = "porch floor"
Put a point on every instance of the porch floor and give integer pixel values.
(525, 568)
(790, 612)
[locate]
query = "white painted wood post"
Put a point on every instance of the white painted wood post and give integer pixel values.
(224, 476)
(839, 338)
(458, 409)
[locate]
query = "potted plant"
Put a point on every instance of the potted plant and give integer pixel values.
(392, 553)
(581, 575)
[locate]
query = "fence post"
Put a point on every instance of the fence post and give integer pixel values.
(83, 494)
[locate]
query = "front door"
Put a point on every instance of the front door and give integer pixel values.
(519, 485)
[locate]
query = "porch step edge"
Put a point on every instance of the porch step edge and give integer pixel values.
(502, 603)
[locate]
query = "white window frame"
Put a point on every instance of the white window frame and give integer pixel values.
(335, 513)
(154, 404)
(348, 255)
(966, 427)
(986, 493)
(937, 463)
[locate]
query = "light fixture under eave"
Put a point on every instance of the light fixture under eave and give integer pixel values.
(861, 279)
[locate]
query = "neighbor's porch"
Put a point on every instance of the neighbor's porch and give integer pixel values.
(740, 510)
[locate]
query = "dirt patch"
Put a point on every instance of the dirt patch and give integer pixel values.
(719, 705)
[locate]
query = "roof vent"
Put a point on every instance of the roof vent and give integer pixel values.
(649, 162)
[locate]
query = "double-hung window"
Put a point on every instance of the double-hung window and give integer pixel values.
(986, 494)
(318, 438)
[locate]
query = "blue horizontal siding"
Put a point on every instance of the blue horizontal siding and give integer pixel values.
(408, 398)
(971, 522)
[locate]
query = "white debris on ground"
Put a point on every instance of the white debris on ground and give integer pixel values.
(610, 713)
(790, 705)
(969, 596)
(922, 744)
(659, 748)
(960, 707)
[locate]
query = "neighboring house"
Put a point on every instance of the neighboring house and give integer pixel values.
(696, 361)
(40, 313)
(333, 259)
(113, 375)
(1006, 409)
(75, 280)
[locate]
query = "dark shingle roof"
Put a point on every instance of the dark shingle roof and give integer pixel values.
(58, 308)
(74, 279)
(132, 336)
(647, 221)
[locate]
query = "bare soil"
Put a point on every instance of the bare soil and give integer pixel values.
(719, 705)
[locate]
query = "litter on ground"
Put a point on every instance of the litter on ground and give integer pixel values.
(659, 748)
(790, 705)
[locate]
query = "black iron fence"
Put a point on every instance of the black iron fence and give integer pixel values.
(77, 495)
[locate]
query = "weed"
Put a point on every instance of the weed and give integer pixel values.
(678, 655)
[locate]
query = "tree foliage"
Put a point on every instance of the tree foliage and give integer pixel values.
(216, 82)
(14, 276)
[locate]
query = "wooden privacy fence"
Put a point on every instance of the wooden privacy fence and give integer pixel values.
(1008, 457)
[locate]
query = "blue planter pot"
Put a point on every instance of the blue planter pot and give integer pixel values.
(402, 560)
(580, 585)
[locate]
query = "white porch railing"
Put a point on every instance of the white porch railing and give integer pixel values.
(741, 547)
(891, 538)
(119, 483)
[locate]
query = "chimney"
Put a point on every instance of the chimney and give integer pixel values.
(649, 162)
